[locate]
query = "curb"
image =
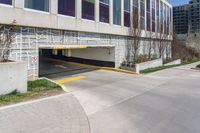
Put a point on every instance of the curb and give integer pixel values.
(63, 87)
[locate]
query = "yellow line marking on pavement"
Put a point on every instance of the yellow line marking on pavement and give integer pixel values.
(70, 79)
(61, 66)
(103, 68)
(59, 47)
(97, 67)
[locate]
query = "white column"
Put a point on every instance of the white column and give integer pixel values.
(53, 6)
(139, 11)
(18, 3)
(122, 12)
(79, 9)
(131, 12)
(111, 12)
(97, 10)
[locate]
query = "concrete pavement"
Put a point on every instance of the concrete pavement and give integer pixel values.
(167, 101)
(58, 114)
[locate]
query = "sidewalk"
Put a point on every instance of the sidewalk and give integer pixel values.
(58, 114)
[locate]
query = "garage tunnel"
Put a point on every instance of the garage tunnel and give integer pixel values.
(61, 61)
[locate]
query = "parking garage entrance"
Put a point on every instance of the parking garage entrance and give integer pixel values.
(54, 62)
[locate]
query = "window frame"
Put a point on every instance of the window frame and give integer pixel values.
(108, 12)
(38, 11)
(87, 19)
(120, 23)
(7, 5)
(69, 16)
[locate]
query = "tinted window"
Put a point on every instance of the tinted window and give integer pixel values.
(66, 7)
(88, 9)
(117, 12)
(42, 5)
(9, 2)
(104, 11)
(127, 13)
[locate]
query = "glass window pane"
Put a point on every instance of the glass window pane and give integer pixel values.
(88, 9)
(66, 7)
(104, 11)
(142, 14)
(157, 14)
(127, 5)
(153, 15)
(9, 2)
(127, 13)
(148, 17)
(42, 5)
(127, 19)
(117, 12)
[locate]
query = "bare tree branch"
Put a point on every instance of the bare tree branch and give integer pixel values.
(7, 36)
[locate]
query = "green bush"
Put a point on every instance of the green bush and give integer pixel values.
(198, 66)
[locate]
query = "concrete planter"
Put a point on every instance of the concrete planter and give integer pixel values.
(144, 65)
(175, 62)
(128, 68)
(13, 76)
(148, 64)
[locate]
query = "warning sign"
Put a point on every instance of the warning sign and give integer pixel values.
(34, 59)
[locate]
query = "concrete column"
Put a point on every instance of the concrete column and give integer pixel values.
(18, 3)
(97, 10)
(122, 12)
(139, 11)
(53, 6)
(111, 12)
(79, 9)
(131, 11)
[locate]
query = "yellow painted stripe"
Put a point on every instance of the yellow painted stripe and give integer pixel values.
(104, 68)
(70, 79)
(97, 67)
(59, 47)
(60, 66)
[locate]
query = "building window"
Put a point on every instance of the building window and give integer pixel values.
(104, 11)
(168, 14)
(41, 5)
(135, 6)
(117, 12)
(8, 2)
(161, 17)
(153, 16)
(127, 13)
(142, 15)
(157, 15)
(148, 22)
(66, 7)
(165, 19)
(88, 9)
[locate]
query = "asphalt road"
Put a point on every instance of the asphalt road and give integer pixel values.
(162, 102)
(52, 68)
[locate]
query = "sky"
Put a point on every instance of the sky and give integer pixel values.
(178, 2)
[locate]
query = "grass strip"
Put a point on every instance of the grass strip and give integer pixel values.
(150, 70)
(36, 89)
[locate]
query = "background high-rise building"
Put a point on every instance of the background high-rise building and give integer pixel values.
(180, 19)
(186, 18)
(194, 16)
